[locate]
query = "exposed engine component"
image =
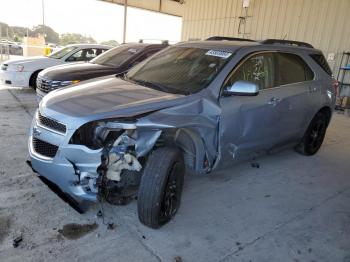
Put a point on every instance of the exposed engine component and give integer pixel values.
(119, 163)
(120, 174)
(119, 159)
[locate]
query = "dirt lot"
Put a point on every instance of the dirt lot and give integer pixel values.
(292, 208)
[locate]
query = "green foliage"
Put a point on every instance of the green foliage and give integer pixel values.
(73, 38)
(110, 43)
(50, 35)
(6, 31)
(19, 32)
(16, 33)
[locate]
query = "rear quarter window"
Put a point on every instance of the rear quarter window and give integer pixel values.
(322, 62)
(292, 69)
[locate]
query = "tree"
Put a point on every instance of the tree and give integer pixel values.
(73, 38)
(6, 31)
(110, 43)
(19, 32)
(50, 35)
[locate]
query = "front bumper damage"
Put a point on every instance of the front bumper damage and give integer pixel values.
(74, 173)
(84, 172)
(67, 168)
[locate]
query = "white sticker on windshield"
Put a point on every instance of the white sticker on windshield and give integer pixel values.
(132, 50)
(217, 53)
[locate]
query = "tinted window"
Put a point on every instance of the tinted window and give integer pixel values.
(292, 69)
(258, 69)
(322, 62)
(116, 56)
(83, 55)
(145, 55)
(62, 52)
(180, 70)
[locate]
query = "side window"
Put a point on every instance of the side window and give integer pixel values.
(152, 52)
(100, 51)
(83, 55)
(258, 69)
(292, 69)
(145, 55)
(322, 62)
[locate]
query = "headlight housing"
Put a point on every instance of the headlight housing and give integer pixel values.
(57, 84)
(67, 83)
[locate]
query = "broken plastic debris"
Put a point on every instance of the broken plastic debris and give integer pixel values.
(99, 213)
(177, 259)
(16, 241)
(111, 226)
(256, 165)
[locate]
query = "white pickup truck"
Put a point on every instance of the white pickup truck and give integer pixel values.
(23, 72)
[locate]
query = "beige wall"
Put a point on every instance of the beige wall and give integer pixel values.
(323, 23)
(33, 46)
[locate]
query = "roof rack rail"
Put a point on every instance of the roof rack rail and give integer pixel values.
(226, 38)
(154, 41)
(286, 42)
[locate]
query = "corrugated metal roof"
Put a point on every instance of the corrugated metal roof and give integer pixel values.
(170, 7)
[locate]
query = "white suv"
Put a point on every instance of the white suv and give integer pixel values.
(23, 72)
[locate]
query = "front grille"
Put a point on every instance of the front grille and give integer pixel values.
(50, 123)
(43, 148)
(43, 84)
(4, 67)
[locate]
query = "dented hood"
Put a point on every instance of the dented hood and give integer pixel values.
(105, 97)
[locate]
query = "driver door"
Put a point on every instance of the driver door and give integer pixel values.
(251, 124)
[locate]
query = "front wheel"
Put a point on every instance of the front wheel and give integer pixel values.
(161, 187)
(314, 135)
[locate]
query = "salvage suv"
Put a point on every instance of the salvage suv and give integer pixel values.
(195, 107)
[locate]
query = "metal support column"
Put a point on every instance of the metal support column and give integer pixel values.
(43, 11)
(125, 16)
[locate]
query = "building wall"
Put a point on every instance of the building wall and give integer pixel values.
(34, 46)
(323, 23)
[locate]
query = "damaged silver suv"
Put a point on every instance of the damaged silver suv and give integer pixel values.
(195, 107)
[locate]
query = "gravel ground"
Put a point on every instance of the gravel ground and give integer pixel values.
(292, 208)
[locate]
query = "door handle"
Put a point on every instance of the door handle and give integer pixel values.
(274, 101)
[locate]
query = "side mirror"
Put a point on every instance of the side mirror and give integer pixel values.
(241, 88)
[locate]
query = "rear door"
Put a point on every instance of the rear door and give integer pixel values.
(296, 90)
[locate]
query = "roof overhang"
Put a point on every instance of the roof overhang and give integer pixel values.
(170, 7)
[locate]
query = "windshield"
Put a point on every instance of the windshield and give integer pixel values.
(62, 52)
(180, 70)
(116, 56)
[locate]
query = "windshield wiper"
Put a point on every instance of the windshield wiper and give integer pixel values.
(149, 84)
(156, 86)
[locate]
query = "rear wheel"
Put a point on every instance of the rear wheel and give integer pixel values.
(161, 187)
(314, 135)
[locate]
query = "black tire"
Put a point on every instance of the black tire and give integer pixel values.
(32, 80)
(314, 135)
(161, 185)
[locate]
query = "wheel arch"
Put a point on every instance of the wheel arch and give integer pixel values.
(327, 111)
(193, 148)
(31, 78)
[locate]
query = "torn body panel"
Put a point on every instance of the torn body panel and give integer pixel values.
(193, 127)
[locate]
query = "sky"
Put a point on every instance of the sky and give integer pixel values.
(100, 20)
